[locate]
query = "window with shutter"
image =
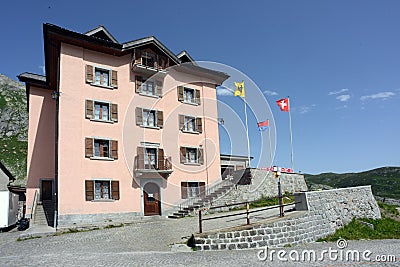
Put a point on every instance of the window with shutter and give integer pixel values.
(180, 93)
(115, 190)
(160, 119)
(114, 79)
(181, 122)
(89, 190)
(114, 112)
(89, 73)
(197, 97)
(183, 154)
(89, 109)
(160, 156)
(138, 84)
(88, 147)
(184, 186)
(201, 156)
(114, 149)
(140, 158)
(199, 125)
(139, 116)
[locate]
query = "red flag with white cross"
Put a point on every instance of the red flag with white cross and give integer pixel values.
(283, 104)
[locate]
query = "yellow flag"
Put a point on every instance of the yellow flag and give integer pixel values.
(239, 89)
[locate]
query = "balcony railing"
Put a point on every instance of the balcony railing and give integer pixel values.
(161, 165)
(149, 63)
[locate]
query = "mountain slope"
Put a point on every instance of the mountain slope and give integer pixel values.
(13, 128)
(385, 181)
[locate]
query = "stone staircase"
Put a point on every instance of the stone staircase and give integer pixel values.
(44, 214)
(211, 195)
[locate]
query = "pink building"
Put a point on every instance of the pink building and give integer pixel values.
(118, 130)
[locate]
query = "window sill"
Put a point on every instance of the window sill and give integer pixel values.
(102, 158)
(192, 164)
(150, 127)
(102, 86)
(153, 96)
(190, 132)
(103, 200)
(190, 103)
(98, 120)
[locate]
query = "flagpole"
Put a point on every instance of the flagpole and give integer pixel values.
(247, 130)
(291, 138)
(270, 145)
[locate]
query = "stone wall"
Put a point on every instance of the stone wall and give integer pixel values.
(263, 184)
(72, 220)
(322, 214)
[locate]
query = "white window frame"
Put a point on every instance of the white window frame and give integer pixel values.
(94, 110)
(109, 189)
(109, 148)
(197, 156)
(186, 119)
(185, 100)
(148, 111)
(102, 69)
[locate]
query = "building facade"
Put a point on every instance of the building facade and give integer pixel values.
(118, 130)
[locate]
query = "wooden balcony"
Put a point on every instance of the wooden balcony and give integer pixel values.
(149, 63)
(143, 168)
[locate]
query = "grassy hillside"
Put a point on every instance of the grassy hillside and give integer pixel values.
(385, 181)
(13, 128)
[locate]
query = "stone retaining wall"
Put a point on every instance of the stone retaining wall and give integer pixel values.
(323, 213)
(263, 184)
(72, 220)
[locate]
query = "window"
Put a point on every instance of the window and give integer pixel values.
(148, 87)
(101, 111)
(151, 158)
(190, 124)
(101, 76)
(101, 148)
(149, 118)
(192, 189)
(101, 190)
(191, 155)
(188, 95)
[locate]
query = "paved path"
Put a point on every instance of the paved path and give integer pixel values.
(148, 243)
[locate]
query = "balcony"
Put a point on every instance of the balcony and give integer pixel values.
(149, 63)
(146, 168)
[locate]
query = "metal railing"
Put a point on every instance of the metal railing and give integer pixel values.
(248, 211)
(164, 164)
(34, 205)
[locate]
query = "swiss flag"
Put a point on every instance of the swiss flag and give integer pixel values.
(283, 104)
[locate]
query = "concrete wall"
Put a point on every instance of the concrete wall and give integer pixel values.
(263, 184)
(326, 212)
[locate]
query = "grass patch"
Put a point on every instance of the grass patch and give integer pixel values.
(3, 102)
(385, 228)
(388, 209)
(28, 238)
(113, 226)
(265, 202)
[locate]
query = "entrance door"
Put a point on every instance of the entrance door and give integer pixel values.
(151, 199)
(47, 190)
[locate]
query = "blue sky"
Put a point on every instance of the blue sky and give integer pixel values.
(339, 61)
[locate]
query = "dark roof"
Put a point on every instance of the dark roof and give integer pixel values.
(185, 57)
(102, 33)
(150, 40)
(7, 172)
(33, 78)
(99, 39)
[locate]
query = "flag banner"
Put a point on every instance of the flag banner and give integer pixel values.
(283, 104)
(263, 126)
(239, 89)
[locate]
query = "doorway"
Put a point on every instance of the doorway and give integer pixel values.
(151, 198)
(46, 190)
